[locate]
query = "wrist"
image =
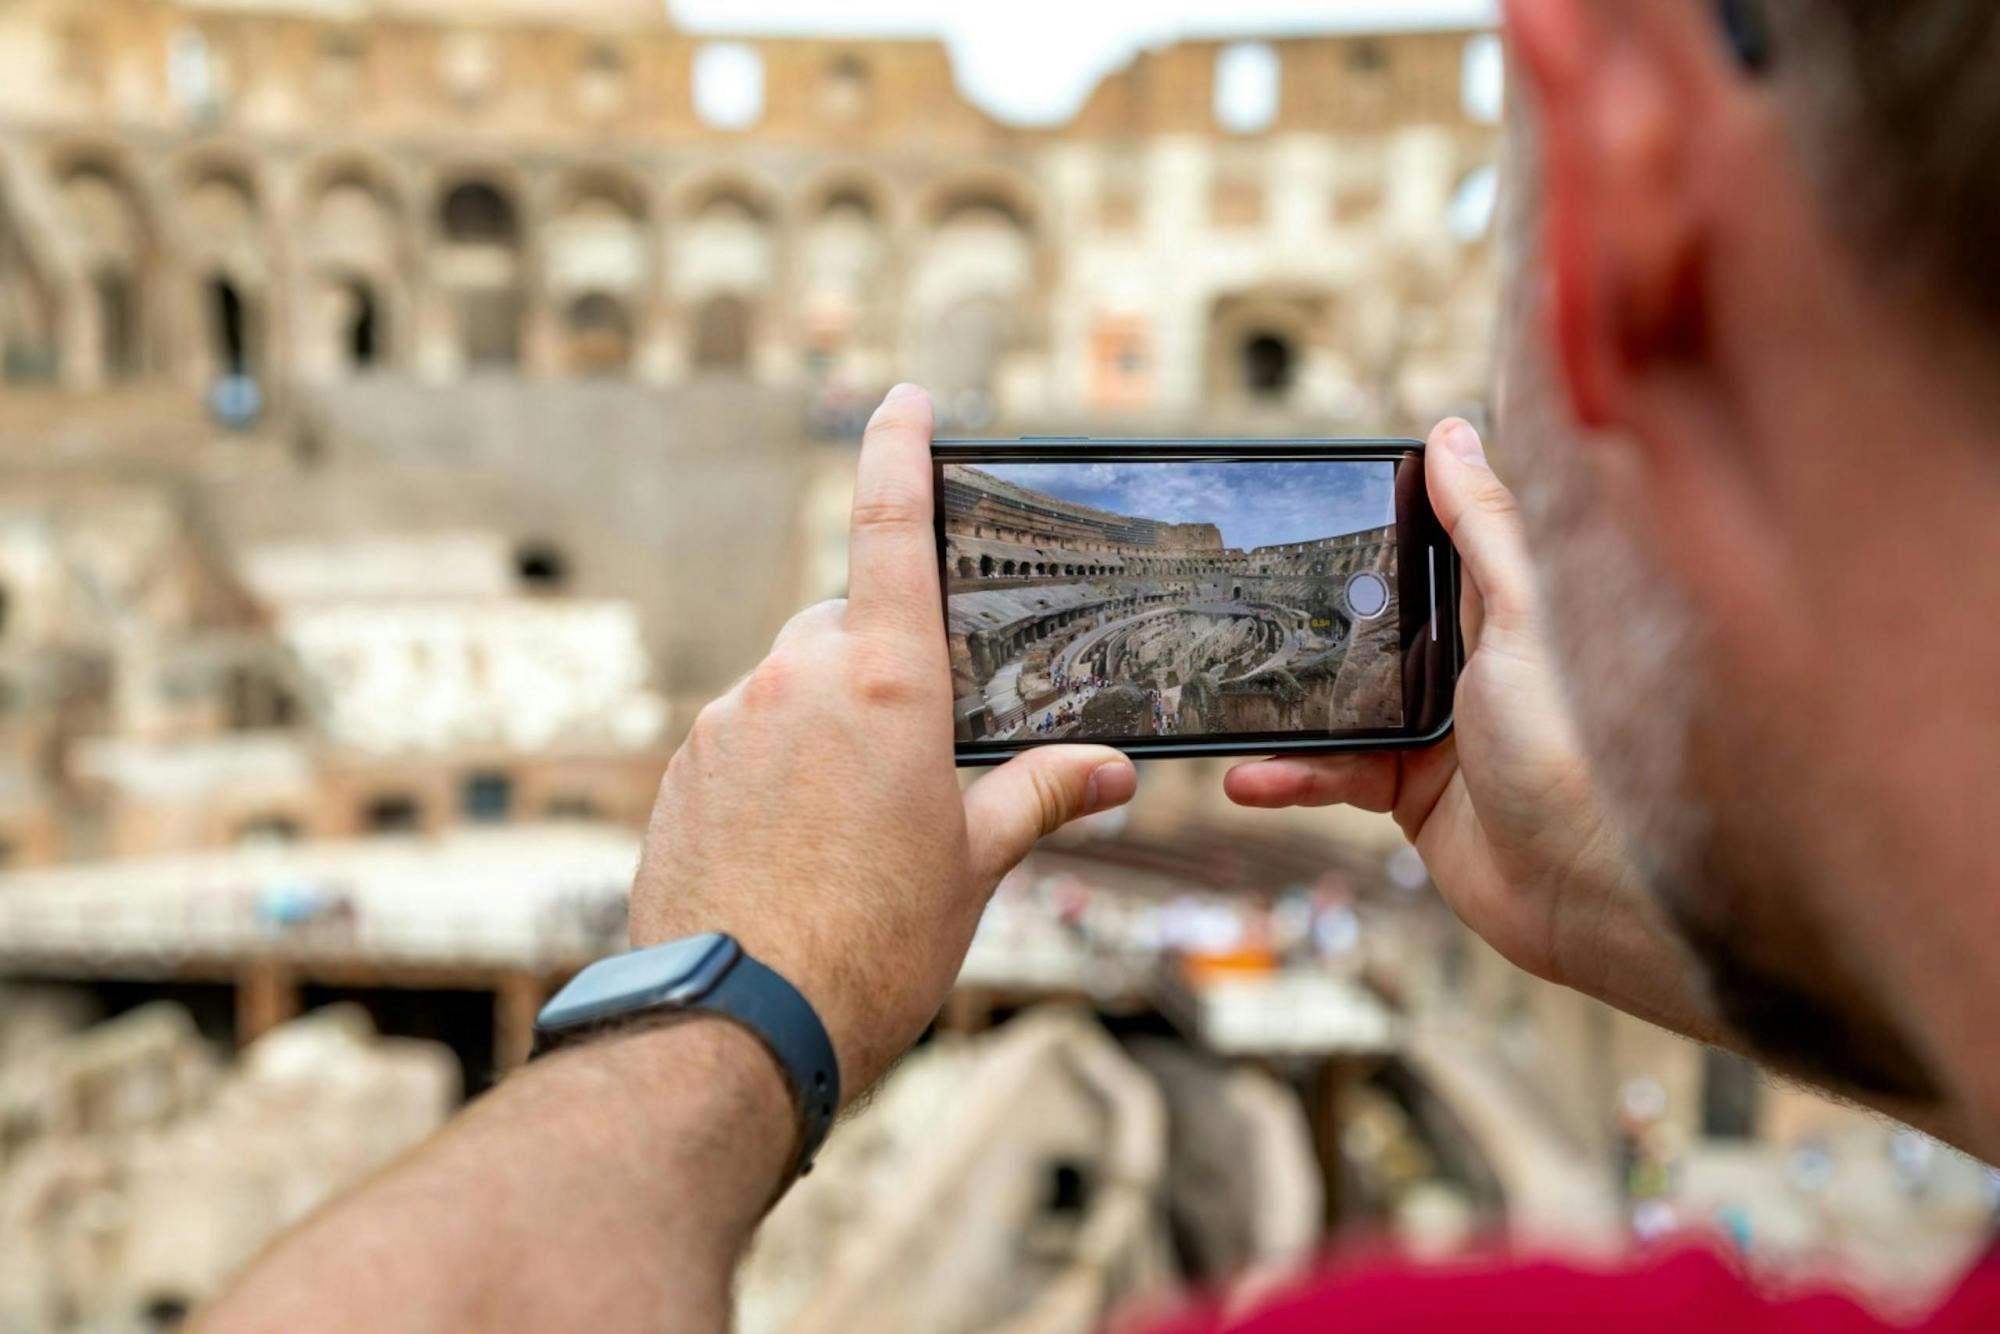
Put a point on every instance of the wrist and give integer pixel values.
(848, 1002)
(696, 1090)
(1615, 945)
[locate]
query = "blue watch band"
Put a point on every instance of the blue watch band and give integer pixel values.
(708, 974)
(769, 1006)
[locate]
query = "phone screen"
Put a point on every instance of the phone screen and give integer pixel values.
(1186, 603)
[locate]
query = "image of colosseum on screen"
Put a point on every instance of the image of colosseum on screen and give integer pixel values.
(1139, 601)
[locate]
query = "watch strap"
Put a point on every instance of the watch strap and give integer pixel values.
(763, 1001)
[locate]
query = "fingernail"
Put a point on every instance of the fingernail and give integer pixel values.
(1463, 442)
(903, 391)
(1112, 785)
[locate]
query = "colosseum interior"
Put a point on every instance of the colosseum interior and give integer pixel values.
(1068, 621)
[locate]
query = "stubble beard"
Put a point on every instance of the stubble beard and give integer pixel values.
(1631, 658)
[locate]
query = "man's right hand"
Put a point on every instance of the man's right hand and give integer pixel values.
(1505, 812)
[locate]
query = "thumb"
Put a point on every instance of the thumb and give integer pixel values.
(1479, 512)
(1034, 795)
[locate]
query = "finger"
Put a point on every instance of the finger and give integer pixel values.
(1031, 797)
(819, 619)
(892, 578)
(1478, 511)
(1367, 782)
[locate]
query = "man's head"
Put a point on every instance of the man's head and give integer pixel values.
(1753, 383)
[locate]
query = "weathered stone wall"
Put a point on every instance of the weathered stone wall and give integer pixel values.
(537, 192)
(136, 1174)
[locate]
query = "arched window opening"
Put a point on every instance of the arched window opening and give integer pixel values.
(966, 569)
(487, 797)
(845, 93)
(364, 339)
(986, 567)
(541, 567)
(475, 213)
(480, 227)
(393, 813)
(601, 80)
(728, 85)
(600, 335)
(1267, 365)
(1247, 87)
(118, 325)
(229, 332)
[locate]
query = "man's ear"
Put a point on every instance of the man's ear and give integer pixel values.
(1614, 91)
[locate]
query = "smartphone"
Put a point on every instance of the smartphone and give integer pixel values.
(1178, 598)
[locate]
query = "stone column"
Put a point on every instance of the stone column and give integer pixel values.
(80, 335)
(267, 995)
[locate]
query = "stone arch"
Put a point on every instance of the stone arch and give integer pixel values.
(846, 87)
(599, 331)
(1015, 197)
(1259, 344)
(221, 225)
(110, 229)
(477, 261)
(353, 248)
(848, 185)
(597, 233)
(478, 211)
(735, 188)
(973, 291)
(723, 264)
(1269, 366)
(28, 305)
(355, 218)
(845, 241)
(724, 237)
(966, 568)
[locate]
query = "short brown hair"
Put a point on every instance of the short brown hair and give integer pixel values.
(1899, 101)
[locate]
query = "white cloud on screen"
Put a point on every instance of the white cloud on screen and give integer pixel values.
(1255, 504)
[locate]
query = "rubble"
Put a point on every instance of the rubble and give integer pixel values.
(1021, 1182)
(137, 1173)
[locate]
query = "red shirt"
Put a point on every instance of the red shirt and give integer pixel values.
(1689, 1292)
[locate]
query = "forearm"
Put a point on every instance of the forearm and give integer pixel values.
(609, 1188)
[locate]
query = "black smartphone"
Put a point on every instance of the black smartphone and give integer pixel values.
(1194, 597)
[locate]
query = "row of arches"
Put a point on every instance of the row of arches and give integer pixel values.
(987, 567)
(493, 273)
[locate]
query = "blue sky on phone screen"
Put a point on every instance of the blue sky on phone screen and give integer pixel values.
(1256, 504)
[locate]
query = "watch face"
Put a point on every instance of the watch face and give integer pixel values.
(676, 973)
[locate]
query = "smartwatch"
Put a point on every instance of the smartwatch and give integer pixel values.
(707, 974)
